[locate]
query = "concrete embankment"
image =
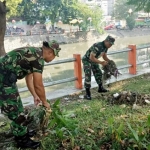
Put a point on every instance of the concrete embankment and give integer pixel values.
(13, 42)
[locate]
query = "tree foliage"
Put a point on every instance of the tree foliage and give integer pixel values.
(39, 10)
(130, 22)
(29, 11)
(121, 10)
(84, 12)
(50, 9)
(66, 10)
(12, 6)
(140, 4)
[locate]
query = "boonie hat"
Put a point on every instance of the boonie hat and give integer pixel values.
(55, 46)
(110, 39)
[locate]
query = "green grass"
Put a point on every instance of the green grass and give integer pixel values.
(102, 126)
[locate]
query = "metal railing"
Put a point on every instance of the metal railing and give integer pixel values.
(140, 48)
(132, 64)
(76, 65)
(60, 61)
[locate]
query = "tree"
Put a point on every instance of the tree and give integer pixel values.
(11, 9)
(50, 9)
(122, 12)
(121, 9)
(29, 11)
(147, 10)
(130, 22)
(84, 12)
(140, 4)
(3, 12)
(39, 10)
(67, 12)
(54, 10)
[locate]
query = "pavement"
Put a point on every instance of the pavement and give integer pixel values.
(68, 91)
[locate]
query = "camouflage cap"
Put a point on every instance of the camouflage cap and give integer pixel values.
(110, 39)
(55, 46)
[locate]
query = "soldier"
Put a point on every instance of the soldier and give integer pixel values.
(23, 62)
(91, 63)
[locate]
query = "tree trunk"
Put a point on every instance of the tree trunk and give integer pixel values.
(3, 12)
(53, 28)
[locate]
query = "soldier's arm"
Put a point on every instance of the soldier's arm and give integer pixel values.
(39, 88)
(105, 57)
(29, 82)
(93, 59)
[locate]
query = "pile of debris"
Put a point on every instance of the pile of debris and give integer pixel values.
(119, 98)
(126, 97)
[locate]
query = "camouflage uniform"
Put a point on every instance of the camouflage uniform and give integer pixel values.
(88, 65)
(19, 63)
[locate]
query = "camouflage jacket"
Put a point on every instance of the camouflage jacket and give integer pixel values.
(97, 49)
(23, 61)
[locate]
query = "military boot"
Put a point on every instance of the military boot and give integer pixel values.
(26, 142)
(31, 133)
(101, 89)
(88, 94)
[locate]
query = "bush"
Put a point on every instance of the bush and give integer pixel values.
(130, 22)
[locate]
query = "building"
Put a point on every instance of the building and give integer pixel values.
(106, 5)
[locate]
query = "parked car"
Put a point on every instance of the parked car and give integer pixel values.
(109, 27)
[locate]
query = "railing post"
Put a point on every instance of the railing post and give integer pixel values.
(132, 59)
(78, 71)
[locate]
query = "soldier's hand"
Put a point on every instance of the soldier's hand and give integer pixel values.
(104, 63)
(36, 100)
(46, 104)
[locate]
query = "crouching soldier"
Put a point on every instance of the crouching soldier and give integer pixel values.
(23, 62)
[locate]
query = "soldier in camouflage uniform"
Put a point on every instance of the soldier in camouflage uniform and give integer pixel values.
(91, 63)
(23, 62)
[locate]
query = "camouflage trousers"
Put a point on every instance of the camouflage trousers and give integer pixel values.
(11, 106)
(89, 67)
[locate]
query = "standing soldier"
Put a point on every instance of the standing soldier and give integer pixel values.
(23, 62)
(91, 63)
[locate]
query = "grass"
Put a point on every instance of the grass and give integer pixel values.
(101, 126)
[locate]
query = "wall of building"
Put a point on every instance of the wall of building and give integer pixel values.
(106, 5)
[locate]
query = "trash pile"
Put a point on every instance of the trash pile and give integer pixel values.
(127, 97)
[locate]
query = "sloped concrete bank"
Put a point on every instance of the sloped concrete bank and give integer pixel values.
(13, 42)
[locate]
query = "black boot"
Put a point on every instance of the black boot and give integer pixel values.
(26, 142)
(101, 89)
(88, 94)
(31, 133)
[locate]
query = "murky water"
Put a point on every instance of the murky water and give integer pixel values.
(63, 71)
